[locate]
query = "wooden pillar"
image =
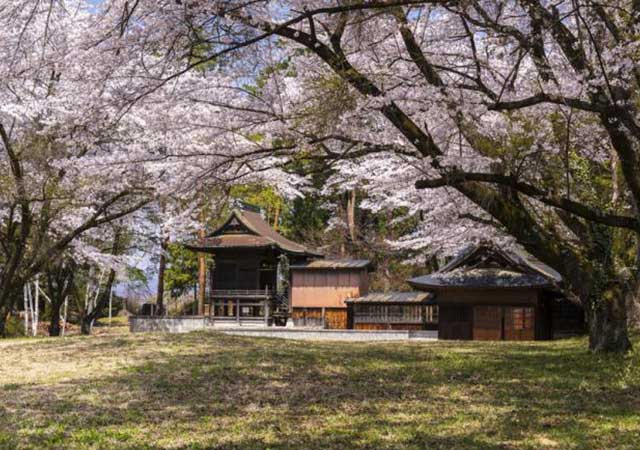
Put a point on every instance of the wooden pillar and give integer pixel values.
(238, 311)
(276, 217)
(266, 311)
(202, 277)
(324, 324)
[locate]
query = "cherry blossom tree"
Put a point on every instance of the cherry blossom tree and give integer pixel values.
(55, 129)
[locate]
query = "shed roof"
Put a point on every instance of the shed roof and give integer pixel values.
(333, 264)
(247, 229)
(393, 297)
(486, 266)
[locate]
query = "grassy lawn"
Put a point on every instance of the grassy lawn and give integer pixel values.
(207, 390)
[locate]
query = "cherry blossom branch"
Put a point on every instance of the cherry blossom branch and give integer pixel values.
(546, 98)
(456, 177)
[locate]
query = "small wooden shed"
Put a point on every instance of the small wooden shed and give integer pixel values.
(393, 311)
(487, 293)
(319, 288)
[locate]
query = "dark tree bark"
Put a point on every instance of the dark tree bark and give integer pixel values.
(608, 321)
(59, 284)
(161, 268)
(4, 315)
(85, 326)
(54, 323)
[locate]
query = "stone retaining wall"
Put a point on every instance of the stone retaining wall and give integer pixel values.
(194, 323)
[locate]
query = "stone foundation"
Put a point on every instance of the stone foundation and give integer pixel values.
(186, 324)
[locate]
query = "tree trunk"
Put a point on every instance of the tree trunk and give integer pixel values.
(4, 315)
(351, 214)
(608, 330)
(202, 275)
(7, 299)
(85, 325)
(59, 278)
(54, 324)
(161, 268)
(276, 217)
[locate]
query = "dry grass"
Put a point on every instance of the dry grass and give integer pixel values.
(206, 390)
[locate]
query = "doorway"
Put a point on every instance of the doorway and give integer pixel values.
(509, 323)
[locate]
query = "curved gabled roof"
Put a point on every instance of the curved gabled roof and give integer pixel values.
(247, 229)
(486, 266)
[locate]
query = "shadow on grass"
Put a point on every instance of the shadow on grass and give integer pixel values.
(205, 390)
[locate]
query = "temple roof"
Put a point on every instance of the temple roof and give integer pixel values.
(247, 229)
(486, 266)
(335, 264)
(393, 297)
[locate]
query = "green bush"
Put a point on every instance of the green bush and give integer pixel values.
(15, 326)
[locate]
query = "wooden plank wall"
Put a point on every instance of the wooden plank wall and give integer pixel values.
(455, 322)
(489, 296)
(334, 318)
(328, 288)
(487, 323)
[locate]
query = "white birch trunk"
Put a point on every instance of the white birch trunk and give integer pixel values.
(110, 304)
(64, 317)
(26, 309)
(36, 314)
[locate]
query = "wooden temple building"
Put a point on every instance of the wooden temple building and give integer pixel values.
(259, 276)
(486, 293)
(248, 258)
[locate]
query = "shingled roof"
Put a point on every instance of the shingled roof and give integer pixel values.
(247, 229)
(486, 266)
(333, 264)
(393, 297)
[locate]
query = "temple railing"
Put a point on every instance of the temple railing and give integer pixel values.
(247, 305)
(240, 293)
(237, 310)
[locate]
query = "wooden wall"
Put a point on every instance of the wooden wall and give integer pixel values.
(492, 314)
(240, 269)
(455, 322)
(488, 296)
(326, 288)
(334, 318)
